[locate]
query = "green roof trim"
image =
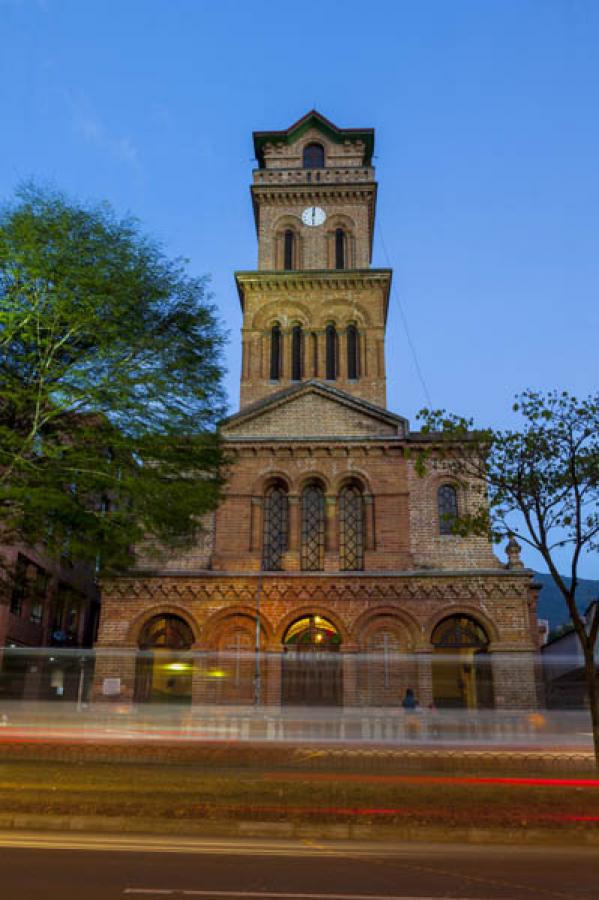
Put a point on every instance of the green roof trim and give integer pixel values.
(314, 119)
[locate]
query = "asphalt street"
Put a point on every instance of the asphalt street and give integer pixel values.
(103, 867)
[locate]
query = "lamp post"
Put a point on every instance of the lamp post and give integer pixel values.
(81, 683)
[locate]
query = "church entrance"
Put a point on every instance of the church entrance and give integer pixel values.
(462, 676)
(312, 672)
(164, 665)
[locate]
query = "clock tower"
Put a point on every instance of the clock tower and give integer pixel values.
(314, 309)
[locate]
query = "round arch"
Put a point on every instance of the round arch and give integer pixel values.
(462, 674)
(470, 612)
(406, 622)
(315, 477)
(218, 621)
(304, 611)
(266, 479)
(275, 311)
(163, 609)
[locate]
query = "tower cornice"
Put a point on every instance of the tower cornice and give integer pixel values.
(310, 280)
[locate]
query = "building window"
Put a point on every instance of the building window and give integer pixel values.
(351, 528)
(340, 249)
(29, 590)
(296, 353)
(331, 352)
(39, 590)
(19, 589)
(276, 519)
(275, 353)
(352, 352)
(314, 156)
(288, 250)
(312, 548)
(447, 507)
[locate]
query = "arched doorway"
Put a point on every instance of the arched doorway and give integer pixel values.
(164, 665)
(462, 676)
(311, 671)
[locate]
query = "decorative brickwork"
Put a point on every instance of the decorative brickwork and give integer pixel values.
(385, 572)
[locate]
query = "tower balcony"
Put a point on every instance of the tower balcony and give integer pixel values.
(350, 175)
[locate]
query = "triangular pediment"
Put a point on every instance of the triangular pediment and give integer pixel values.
(313, 411)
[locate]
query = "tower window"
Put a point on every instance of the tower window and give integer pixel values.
(447, 507)
(296, 353)
(340, 249)
(331, 352)
(351, 528)
(275, 527)
(312, 554)
(288, 248)
(275, 353)
(352, 352)
(313, 156)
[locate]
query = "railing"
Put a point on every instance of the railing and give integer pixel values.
(312, 176)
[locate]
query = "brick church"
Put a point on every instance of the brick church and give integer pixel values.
(328, 551)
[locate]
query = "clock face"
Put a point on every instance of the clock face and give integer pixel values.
(313, 215)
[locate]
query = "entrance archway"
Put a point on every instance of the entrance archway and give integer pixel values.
(164, 666)
(462, 676)
(311, 672)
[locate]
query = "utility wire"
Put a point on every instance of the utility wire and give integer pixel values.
(404, 320)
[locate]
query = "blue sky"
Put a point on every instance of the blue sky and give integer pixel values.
(487, 149)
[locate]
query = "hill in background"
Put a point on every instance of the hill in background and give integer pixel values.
(551, 603)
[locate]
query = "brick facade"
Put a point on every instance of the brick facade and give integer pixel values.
(331, 434)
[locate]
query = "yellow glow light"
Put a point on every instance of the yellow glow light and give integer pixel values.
(216, 673)
(177, 667)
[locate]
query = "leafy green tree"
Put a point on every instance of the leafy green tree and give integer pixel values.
(110, 384)
(541, 486)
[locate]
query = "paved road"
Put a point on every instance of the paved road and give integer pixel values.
(67, 867)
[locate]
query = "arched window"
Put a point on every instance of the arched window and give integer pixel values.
(331, 352)
(353, 369)
(297, 342)
(288, 250)
(447, 507)
(351, 528)
(340, 248)
(312, 551)
(459, 633)
(167, 631)
(274, 543)
(313, 156)
(275, 353)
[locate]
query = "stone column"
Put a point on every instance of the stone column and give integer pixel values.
(424, 670)
(369, 533)
(349, 670)
(114, 674)
(272, 662)
(331, 539)
(514, 682)
(294, 522)
(256, 524)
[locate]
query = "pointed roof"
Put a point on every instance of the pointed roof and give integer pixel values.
(331, 415)
(314, 119)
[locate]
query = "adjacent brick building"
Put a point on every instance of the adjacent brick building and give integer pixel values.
(328, 551)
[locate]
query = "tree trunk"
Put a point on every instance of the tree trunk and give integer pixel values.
(591, 679)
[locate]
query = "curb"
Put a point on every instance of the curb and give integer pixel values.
(118, 825)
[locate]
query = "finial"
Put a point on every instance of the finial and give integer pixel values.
(513, 554)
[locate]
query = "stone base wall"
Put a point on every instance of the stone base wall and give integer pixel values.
(385, 625)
